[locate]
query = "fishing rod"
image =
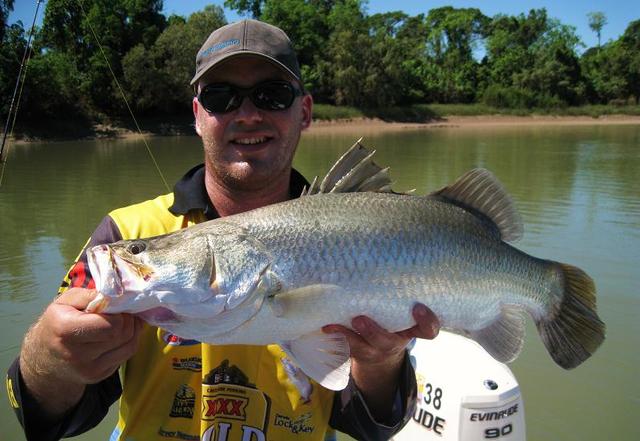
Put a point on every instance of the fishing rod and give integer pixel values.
(21, 78)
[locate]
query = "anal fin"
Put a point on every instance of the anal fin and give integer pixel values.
(323, 357)
(503, 338)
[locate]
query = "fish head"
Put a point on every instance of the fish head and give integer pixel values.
(161, 268)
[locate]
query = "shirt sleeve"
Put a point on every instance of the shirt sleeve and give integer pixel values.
(95, 402)
(351, 415)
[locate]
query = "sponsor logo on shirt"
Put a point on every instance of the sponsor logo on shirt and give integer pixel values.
(184, 402)
(174, 340)
(298, 425)
(229, 406)
(176, 434)
(193, 364)
(232, 407)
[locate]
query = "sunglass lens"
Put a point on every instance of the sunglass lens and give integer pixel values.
(219, 99)
(274, 95)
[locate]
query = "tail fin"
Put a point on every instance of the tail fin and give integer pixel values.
(573, 331)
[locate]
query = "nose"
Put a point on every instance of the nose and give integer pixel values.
(248, 112)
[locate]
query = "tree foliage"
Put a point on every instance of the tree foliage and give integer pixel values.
(157, 78)
(613, 70)
(347, 56)
(452, 36)
(6, 6)
(532, 61)
(96, 35)
(597, 20)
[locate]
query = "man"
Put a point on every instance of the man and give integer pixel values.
(249, 111)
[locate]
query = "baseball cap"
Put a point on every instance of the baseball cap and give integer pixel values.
(247, 37)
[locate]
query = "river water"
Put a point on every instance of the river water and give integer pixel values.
(577, 188)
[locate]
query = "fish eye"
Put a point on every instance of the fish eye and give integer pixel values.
(136, 247)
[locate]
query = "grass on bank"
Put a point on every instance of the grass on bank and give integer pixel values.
(171, 125)
(434, 112)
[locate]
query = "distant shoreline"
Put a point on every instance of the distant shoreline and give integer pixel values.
(488, 121)
(364, 124)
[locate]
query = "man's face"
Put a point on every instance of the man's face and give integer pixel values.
(250, 148)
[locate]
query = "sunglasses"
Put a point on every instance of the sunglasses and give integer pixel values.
(269, 95)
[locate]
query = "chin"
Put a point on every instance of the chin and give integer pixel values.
(247, 176)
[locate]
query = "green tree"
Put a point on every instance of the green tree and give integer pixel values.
(555, 76)
(6, 6)
(11, 50)
(345, 59)
(453, 34)
(631, 42)
(248, 7)
(613, 70)
(157, 78)
(597, 20)
(50, 88)
(72, 28)
(531, 61)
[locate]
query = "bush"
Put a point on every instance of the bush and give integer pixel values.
(508, 97)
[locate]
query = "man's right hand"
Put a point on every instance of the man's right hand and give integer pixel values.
(67, 348)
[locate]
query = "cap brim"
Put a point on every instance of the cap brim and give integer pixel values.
(227, 57)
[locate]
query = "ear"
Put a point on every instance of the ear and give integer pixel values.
(307, 110)
(196, 108)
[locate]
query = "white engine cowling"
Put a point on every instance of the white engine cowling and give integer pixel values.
(463, 394)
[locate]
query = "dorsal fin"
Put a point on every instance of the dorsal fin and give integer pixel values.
(355, 171)
(480, 190)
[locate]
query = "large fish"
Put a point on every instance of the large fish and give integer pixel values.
(277, 274)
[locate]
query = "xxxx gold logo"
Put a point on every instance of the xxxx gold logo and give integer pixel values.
(225, 406)
(232, 408)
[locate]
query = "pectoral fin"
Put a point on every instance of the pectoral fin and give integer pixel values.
(305, 299)
(323, 357)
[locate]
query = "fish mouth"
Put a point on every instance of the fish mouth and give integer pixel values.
(104, 271)
(114, 274)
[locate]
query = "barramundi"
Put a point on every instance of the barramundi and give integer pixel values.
(351, 246)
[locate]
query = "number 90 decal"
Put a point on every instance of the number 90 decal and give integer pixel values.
(497, 432)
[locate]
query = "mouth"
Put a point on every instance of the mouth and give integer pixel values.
(252, 142)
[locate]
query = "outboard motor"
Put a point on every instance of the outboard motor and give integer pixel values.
(463, 394)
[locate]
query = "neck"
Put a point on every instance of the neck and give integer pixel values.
(228, 201)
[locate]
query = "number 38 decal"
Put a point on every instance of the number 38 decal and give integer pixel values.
(437, 396)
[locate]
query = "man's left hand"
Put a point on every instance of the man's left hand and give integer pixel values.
(377, 355)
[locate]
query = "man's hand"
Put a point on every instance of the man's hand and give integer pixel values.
(67, 348)
(377, 355)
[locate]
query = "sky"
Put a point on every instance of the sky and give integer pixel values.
(619, 13)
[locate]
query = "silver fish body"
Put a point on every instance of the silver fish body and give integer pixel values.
(279, 273)
(378, 254)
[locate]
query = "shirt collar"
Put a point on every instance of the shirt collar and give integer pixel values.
(190, 192)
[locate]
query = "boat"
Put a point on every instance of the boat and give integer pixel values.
(464, 394)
